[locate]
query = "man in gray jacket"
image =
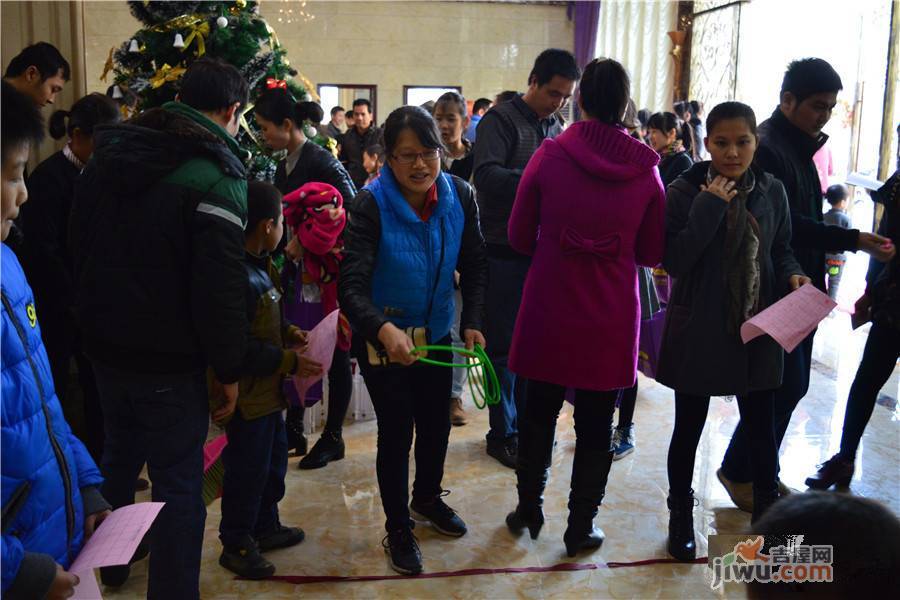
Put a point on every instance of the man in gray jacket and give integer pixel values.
(509, 134)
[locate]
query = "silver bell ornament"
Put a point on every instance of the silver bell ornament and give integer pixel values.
(133, 47)
(117, 92)
(179, 41)
(222, 22)
(309, 131)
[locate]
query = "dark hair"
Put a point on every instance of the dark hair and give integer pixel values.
(605, 90)
(665, 122)
(362, 102)
(456, 98)
(809, 76)
(20, 121)
(376, 150)
(211, 84)
(481, 104)
(864, 535)
(836, 193)
(679, 107)
(44, 57)
(695, 107)
(337, 109)
(88, 112)
(552, 62)
(643, 116)
(505, 96)
(263, 203)
(415, 118)
(730, 110)
(277, 105)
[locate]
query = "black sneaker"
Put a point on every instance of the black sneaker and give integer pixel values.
(330, 447)
(443, 518)
(246, 561)
(402, 551)
(505, 451)
(282, 537)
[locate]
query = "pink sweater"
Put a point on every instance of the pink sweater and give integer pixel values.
(590, 207)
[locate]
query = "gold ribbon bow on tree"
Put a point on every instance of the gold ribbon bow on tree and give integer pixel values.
(165, 74)
(199, 31)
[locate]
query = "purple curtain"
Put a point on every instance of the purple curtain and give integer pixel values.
(586, 16)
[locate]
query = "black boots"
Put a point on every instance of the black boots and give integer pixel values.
(330, 447)
(532, 470)
(681, 527)
(293, 424)
(590, 472)
(762, 500)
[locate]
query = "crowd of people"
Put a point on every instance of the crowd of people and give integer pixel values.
(181, 294)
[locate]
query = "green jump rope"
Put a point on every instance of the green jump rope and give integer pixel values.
(483, 381)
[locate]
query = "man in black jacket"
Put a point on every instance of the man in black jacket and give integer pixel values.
(788, 141)
(363, 134)
(157, 239)
(508, 135)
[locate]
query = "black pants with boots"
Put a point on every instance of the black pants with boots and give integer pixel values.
(590, 469)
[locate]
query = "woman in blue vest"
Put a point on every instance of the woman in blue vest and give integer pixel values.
(411, 228)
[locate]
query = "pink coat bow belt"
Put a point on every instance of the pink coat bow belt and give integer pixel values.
(573, 243)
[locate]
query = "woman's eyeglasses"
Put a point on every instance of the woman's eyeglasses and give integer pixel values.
(409, 158)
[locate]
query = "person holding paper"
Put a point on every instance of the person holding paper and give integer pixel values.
(50, 493)
(255, 458)
(788, 141)
(728, 237)
(411, 229)
(882, 303)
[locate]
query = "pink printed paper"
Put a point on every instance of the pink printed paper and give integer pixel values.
(790, 319)
(322, 340)
(113, 543)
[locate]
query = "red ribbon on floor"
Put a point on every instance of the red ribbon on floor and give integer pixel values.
(561, 567)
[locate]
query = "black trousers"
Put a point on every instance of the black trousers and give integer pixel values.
(795, 383)
(408, 399)
(340, 389)
(627, 400)
(757, 410)
(878, 361)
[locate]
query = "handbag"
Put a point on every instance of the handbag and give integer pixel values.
(650, 337)
(378, 355)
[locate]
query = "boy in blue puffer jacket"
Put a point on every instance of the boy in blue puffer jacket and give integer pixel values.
(50, 496)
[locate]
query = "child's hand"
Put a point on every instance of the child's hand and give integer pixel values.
(721, 187)
(307, 367)
(293, 250)
(299, 338)
(91, 522)
(63, 585)
(798, 280)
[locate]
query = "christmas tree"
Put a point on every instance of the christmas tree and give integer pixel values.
(149, 66)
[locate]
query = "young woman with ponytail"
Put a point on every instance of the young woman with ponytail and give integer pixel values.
(45, 251)
(282, 121)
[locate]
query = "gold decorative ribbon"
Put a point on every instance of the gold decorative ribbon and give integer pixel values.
(108, 66)
(165, 74)
(199, 33)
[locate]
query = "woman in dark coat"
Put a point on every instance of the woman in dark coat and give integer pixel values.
(728, 238)
(282, 121)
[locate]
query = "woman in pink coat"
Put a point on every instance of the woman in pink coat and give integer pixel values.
(590, 208)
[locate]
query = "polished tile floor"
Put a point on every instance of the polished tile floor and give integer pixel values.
(340, 510)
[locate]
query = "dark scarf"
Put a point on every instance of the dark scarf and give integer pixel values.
(741, 261)
(672, 149)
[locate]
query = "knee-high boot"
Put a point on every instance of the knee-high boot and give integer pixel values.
(590, 472)
(532, 472)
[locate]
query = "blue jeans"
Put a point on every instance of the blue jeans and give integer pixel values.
(736, 465)
(459, 374)
(504, 295)
(255, 462)
(161, 420)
